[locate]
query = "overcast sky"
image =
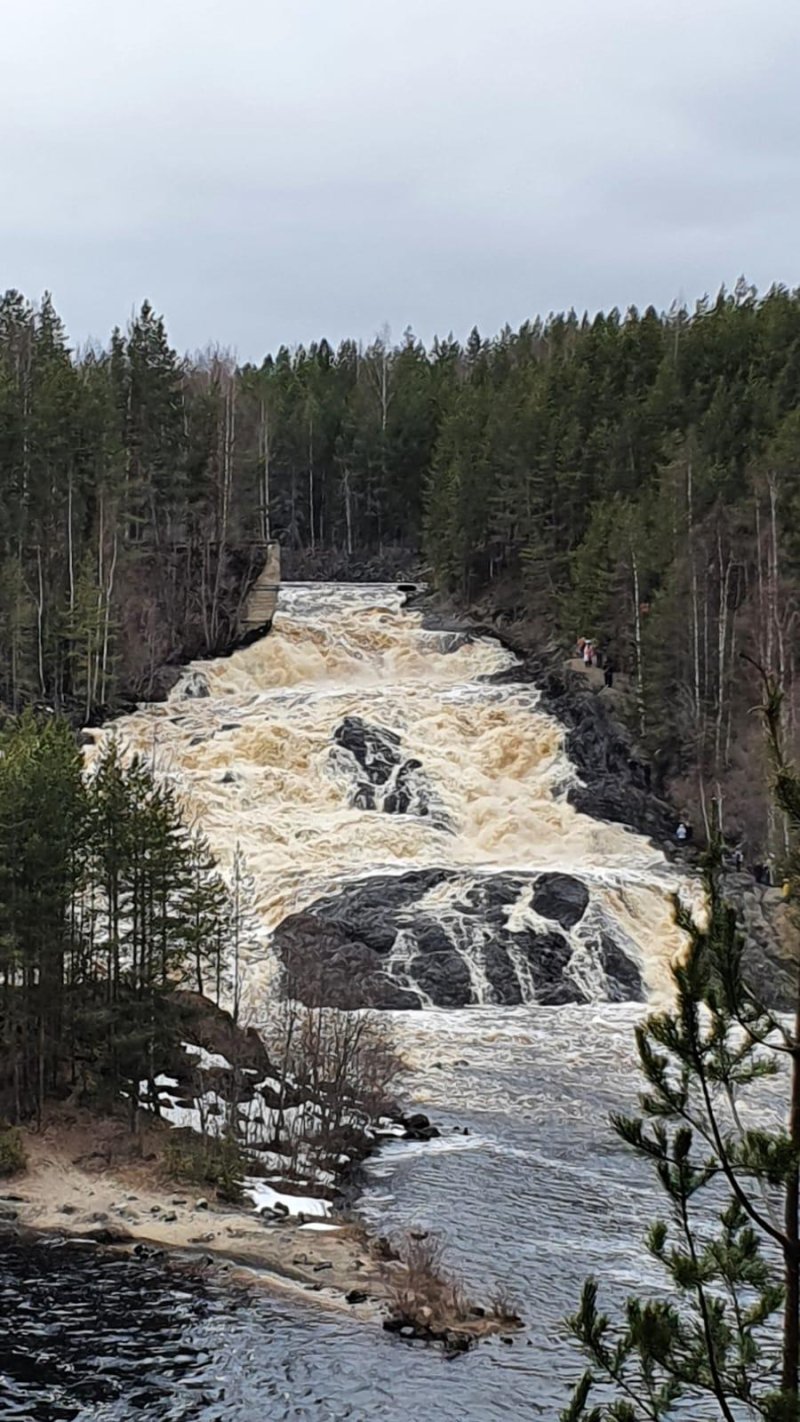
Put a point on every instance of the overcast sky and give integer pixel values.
(271, 171)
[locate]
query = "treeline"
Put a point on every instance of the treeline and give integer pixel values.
(108, 904)
(630, 478)
(125, 541)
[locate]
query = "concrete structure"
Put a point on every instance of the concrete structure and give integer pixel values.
(263, 597)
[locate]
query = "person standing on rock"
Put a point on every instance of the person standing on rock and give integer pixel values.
(608, 673)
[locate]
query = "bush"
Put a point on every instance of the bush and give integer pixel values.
(207, 1160)
(422, 1291)
(12, 1153)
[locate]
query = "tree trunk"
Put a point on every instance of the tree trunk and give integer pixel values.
(265, 454)
(695, 619)
(637, 614)
(791, 1314)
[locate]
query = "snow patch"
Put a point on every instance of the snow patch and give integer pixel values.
(206, 1061)
(265, 1198)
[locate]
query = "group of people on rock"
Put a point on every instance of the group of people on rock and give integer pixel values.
(733, 859)
(590, 655)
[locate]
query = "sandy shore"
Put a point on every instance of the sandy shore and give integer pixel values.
(87, 1176)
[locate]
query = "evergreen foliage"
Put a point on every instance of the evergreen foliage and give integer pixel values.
(725, 1333)
(13, 1159)
(630, 478)
(197, 1159)
(107, 905)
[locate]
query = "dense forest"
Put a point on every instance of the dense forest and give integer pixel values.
(108, 904)
(632, 478)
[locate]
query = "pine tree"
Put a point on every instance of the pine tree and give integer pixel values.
(715, 1339)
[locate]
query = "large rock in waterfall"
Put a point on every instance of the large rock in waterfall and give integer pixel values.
(560, 897)
(452, 938)
(383, 777)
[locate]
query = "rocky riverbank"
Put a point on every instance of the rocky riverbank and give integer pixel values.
(616, 781)
(89, 1181)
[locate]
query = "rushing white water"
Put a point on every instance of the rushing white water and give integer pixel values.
(539, 1193)
(256, 765)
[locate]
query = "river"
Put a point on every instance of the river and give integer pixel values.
(539, 1193)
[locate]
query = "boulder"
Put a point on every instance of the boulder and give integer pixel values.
(113, 1234)
(376, 944)
(561, 898)
(624, 978)
(385, 779)
(194, 686)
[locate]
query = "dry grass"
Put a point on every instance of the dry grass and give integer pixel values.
(425, 1296)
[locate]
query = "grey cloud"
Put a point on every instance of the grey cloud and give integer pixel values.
(270, 172)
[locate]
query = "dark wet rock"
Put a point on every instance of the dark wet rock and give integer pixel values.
(110, 1234)
(162, 682)
(622, 974)
(194, 686)
(417, 1121)
(313, 948)
(385, 779)
(148, 1251)
(502, 974)
(407, 794)
(356, 1296)
(616, 784)
(8, 1213)
(375, 749)
(562, 898)
(377, 943)
(440, 971)
(765, 918)
(548, 956)
(419, 1128)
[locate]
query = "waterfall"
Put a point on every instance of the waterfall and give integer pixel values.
(399, 811)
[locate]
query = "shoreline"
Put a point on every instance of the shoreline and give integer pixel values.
(128, 1203)
(88, 1181)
